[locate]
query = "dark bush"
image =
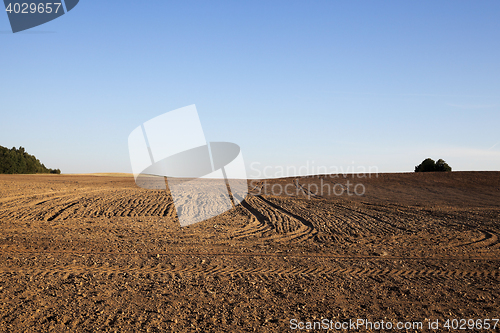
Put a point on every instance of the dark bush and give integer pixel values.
(441, 165)
(428, 165)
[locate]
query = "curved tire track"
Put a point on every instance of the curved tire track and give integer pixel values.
(273, 222)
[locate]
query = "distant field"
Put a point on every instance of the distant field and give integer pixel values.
(110, 174)
(89, 253)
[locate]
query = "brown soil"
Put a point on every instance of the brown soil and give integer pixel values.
(87, 253)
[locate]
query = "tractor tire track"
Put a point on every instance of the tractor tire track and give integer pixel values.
(227, 269)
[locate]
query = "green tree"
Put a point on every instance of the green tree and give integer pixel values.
(441, 165)
(429, 165)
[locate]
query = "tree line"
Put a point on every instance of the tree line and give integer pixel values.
(19, 161)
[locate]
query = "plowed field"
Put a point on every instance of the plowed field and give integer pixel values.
(96, 253)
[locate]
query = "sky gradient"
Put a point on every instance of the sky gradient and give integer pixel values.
(335, 84)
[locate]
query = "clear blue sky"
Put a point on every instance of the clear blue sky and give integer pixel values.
(295, 83)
